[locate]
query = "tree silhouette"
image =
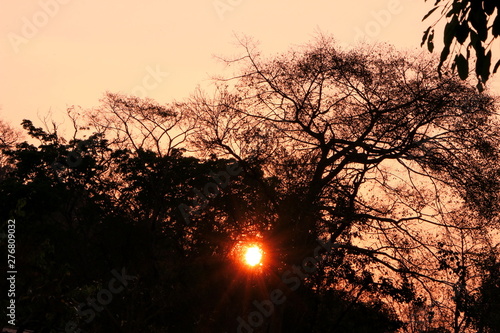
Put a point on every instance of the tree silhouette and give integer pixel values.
(371, 149)
(359, 171)
(472, 29)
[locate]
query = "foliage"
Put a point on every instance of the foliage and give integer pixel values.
(469, 35)
(368, 149)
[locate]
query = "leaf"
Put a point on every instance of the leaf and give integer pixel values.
(452, 11)
(462, 66)
(475, 42)
(458, 6)
(430, 13)
(480, 86)
(496, 24)
(462, 32)
(430, 43)
(424, 38)
(453, 65)
(444, 54)
(450, 30)
(483, 64)
(489, 6)
(486, 67)
(496, 67)
(478, 19)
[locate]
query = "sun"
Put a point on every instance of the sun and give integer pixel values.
(253, 255)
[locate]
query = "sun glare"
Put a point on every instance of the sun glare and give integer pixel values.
(253, 255)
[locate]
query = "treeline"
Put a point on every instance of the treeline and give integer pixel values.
(133, 224)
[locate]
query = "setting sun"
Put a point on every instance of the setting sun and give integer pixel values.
(253, 255)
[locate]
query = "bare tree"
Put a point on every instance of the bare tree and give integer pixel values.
(135, 123)
(9, 137)
(370, 148)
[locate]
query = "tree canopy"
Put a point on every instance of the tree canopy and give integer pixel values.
(370, 181)
(470, 35)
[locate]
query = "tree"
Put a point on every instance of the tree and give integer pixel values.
(137, 123)
(486, 305)
(73, 230)
(367, 152)
(9, 137)
(471, 31)
(370, 149)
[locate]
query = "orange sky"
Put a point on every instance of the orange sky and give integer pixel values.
(58, 53)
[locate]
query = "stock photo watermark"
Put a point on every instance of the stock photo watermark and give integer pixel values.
(73, 160)
(150, 81)
(210, 191)
(380, 19)
(32, 25)
(87, 311)
(11, 271)
(292, 279)
(221, 7)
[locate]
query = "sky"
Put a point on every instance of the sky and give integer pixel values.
(59, 53)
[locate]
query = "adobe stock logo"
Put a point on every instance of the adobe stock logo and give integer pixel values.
(223, 6)
(381, 19)
(87, 311)
(74, 158)
(150, 81)
(210, 190)
(32, 26)
(292, 279)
